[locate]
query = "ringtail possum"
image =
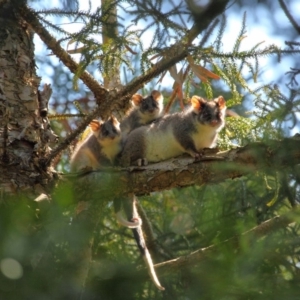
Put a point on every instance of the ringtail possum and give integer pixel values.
(145, 110)
(100, 148)
(186, 132)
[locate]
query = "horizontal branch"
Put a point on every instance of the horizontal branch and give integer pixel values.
(197, 256)
(185, 171)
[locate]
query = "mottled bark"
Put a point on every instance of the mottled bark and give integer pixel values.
(112, 79)
(24, 129)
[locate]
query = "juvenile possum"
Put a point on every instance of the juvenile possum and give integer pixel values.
(144, 112)
(100, 148)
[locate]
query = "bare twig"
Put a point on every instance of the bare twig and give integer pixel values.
(289, 16)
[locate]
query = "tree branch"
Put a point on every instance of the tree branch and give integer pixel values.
(184, 171)
(197, 256)
(179, 51)
(31, 18)
(289, 16)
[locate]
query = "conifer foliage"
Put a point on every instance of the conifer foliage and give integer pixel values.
(224, 227)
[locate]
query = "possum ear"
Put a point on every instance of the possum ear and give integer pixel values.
(157, 96)
(221, 102)
(115, 121)
(137, 99)
(95, 125)
(197, 103)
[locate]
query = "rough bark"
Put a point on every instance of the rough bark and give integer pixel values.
(24, 129)
(111, 80)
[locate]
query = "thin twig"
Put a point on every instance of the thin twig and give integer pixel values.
(199, 255)
(289, 16)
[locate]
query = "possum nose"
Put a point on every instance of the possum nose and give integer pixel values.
(214, 122)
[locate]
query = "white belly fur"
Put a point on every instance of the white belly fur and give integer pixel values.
(161, 145)
(111, 148)
(206, 136)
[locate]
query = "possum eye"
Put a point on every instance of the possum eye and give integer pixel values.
(218, 115)
(145, 105)
(105, 132)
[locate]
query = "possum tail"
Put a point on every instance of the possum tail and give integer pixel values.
(131, 212)
(133, 223)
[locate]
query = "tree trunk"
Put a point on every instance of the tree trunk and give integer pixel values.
(24, 128)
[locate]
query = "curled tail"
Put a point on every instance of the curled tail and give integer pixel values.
(133, 223)
(131, 212)
(130, 224)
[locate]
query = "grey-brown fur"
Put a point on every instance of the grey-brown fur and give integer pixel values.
(100, 148)
(145, 111)
(134, 148)
(183, 127)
